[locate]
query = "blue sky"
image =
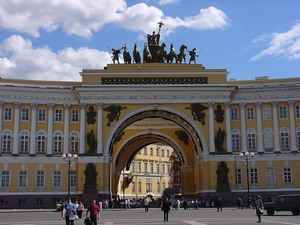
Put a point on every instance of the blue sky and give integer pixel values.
(55, 40)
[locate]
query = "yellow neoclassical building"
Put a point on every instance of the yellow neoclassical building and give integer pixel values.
(109, 118)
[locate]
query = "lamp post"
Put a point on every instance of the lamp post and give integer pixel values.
(69, 158)
(247, 157)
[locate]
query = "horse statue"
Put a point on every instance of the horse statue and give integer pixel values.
(181, 55)
(146, 54)
(161, 53)
(126, 55)
(136, 54)
(172, 55)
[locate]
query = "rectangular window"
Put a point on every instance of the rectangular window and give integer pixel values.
(284, 136)
(251, 141)
(41, 115)
(75, 115)
(266, 112)
(22, 202)
(145, 151)
(297, 111)
(7, 113)
(238, 176)
(168, 153)
(268, 140)
(140, 187)
(287, 176)
(157, 151)
(22, 178)
(4, 178)
(73, 179)
(56, 178)
(24, 143)
(163, 168)
(283, 112)
(40, 178)
(151, 151)
(270, 176)
(145, 167)
(234, 113)
(158, 187)
(25, 114)
(162, 153)
(151, 168)
(235, 141)
(133, 166)
(139, 167)
(133, 187)
(157, 168)
(253, 176)
(58, 117)
(250, 113)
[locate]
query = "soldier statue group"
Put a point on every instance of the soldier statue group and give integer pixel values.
(153, 52)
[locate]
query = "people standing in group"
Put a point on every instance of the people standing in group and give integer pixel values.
(68, 213)
(218, 203)
(166, 208)
(146, 204)
(80, 209)
(94, 212)
(259, 207)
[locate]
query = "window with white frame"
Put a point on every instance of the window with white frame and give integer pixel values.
(41, 142)
(151, 168)
(234, 114)
(145, 167)
(266, 112)
(284, 138)
(140, 187)
(298, 137)
(163, 168)
(250, 113)
(57, 142)
(270, 176)
(158, 187)
(139, 166)
(22, 178)
(238, 176)
(151, 151)
(287, 175)
(157, 151)
(7, 113)
(145, 151)
(168, 153)
(168, 168)
(24, 141)
(40, 178)
(74, 115)
(58, 115)
(157, 168)
(283, 112)
(268, 138)
(5, 177)
(6, 141)
(73, 179)
(74, 142)
(41, 115)
(297, 111)
(56, 178)
(235, 139)
(25, 113)
(162, 153)
(251, 139)
(253, 176)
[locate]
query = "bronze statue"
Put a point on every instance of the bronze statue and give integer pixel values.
(147, 56)
(181, 55)
(197, 112)
(136, 54)
(90, 175)
(219, 114)
(115, 55)
(193, 56)
(91, 141)
(219, 139)
(126, 55)
(91, 115)
(172, 55)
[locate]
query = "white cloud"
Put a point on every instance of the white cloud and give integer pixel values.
(19, 59)
(167, 2)
(286, 44)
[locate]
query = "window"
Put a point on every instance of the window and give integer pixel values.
(268, 138)
(3, 203)
(158, 187)
(4, 178)
(234, 113)
(253, 176)
(270, 176)
(266, 112)
(163, 168)
(250, 113)
(58, 116)
(22, 202)
(145, 167)
(168, 168)
(287, 176)
(7, 113)
(168, 153)
(151, 168)
(39, 201)
(251, 139)
(24, 139)
(75, 115)
(56, 178)
(6, 141)
(73, 179)
(151, 151)
(145, 151)
(40, 178)
(297, 111)
(157, 168)
(139, 167)
(235, 138)
(25, 114)
(149, 186)
(140, 187)
(238, 176)
(162, 153)
(133, 187)
(41, 115)
(133, 166)
(41, 142)
(157, 151)
(74, 139)
(57, 142)
(22, 178)
(283, 112)
(298, 137)
(284, 138)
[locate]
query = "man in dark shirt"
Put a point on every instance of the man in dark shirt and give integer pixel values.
(94, 212)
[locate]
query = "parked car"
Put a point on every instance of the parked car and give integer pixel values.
(133, 204)
(284, 203)
(59, 206)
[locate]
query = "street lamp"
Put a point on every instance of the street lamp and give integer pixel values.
(69, 158)
(247, 157)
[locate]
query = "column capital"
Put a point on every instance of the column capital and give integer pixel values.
(82, 105)
(291, 102)
(274, 104)
(50, 105)
(67, 106)
(17, 105)
(34, 105)
(242, 104)
(258, 104)
(227, 104)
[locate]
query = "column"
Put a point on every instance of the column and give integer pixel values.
(32, 151)
(50, 130)
(82, 129)
(66, 128)
(16, 129)
(211, 128)
(243, 127)
(99, 130)
(260, 148)
(292, 127)
(276, 129)
(228, 128)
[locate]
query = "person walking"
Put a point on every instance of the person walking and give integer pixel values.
(80, 209)
(94, 212)
(146, 204)
(219, 204)
(259, 207)
(69, 212)
(166, 208)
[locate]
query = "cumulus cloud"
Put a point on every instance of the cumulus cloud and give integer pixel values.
(26, 62)
(167, 2)
(286, 44)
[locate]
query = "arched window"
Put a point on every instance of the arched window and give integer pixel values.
(24, 141)
(284, 138)
(74, 142)
(6, 141)
(251, 139)
(235, 139)
(268, 138)
(40, 142)
(57, 136)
